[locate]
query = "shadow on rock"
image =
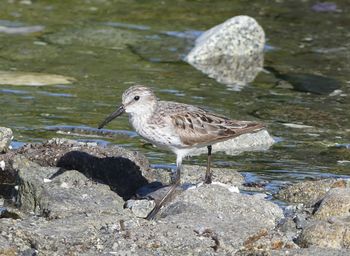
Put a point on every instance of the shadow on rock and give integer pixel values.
(121, 174)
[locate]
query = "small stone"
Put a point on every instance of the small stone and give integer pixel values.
(141, 208)
(2, 165)
(5, 139)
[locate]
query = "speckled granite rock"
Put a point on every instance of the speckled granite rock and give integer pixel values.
(231, 52)
(335, 203)
(5, 138)
(258, 141)
(309, 192)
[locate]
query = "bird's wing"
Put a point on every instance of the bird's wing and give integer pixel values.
(197, 127)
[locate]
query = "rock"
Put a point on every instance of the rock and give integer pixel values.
(231, 52)
(32, 79)
(95, 36)
(123, 170)
(335, 203)
(21, 30)
(18, 28)
(258, 141)
(312, 251)
(5, 140)
(194, 174)
(141, 208)
(308, 82)
(309, 192)
(203, 221)
(325, 234)
(70, 193)
(325, 7)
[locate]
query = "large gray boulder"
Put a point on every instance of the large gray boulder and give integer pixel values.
(70, 193)
(205, 220)
(231, 52)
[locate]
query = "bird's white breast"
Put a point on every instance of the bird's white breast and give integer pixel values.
(162, 135)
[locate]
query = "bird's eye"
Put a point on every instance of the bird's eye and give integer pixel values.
(136, 98)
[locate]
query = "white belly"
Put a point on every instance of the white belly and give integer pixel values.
(160, 135)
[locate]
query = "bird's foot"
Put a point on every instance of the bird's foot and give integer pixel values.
(208, 179)
(152, 215)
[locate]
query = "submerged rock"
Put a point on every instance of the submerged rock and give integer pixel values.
(32, 79)
(308, 82)
(96, 36)
(5, 139)
(21, 30)
(231, 52)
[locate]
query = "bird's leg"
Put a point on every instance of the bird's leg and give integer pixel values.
(168, 194)
(208, 173)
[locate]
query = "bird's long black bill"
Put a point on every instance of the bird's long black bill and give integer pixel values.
(120, 110)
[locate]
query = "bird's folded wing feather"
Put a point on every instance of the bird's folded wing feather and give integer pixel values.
(202, 128)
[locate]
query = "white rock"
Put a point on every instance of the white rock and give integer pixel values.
(231, 52)
(21, 30)
(2, 165)
(297, 126)
(258, 141)
(5, 138)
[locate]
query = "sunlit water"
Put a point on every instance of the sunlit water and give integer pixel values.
(156, 36)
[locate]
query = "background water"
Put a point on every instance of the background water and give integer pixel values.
(109, 45)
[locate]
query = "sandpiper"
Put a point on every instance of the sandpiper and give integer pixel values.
(178, 127)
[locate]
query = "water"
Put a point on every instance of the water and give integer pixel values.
(109, 45)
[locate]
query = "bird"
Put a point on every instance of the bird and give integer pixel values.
(180, 128)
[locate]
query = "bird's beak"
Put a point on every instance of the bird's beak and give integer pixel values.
(120, 110)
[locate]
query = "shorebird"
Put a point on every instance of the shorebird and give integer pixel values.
(177, 127)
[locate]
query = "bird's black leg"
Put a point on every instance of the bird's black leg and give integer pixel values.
(168, 195)
(208, 173)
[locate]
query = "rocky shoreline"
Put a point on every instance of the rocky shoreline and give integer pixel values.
(64, 197)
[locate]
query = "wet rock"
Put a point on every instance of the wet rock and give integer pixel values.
(99, 36)
(309, 192)
(336, 203)
(292, 113)
(194, 174)
(325, 7)
(32, 79)
(325, 234)
(21, 30)
(336, 153)
(11, 27)
(230, 52)
(308, 82)
(5, 140)
(258, 141)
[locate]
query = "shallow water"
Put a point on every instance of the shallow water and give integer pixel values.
(109, 45)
